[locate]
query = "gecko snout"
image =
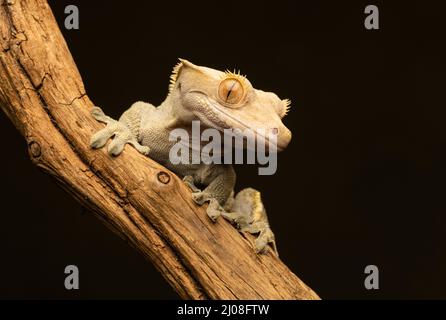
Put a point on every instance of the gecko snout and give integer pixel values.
(283, 137)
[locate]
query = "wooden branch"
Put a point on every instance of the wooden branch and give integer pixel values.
(42, 93)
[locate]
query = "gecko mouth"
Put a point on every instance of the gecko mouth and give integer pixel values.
(217, 112)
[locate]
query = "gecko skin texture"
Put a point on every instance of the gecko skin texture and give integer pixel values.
(219, 100)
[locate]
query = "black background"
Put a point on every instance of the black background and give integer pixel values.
(363, 181)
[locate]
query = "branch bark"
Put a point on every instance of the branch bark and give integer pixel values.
(42, 93)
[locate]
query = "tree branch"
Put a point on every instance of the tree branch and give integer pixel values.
(42, 93)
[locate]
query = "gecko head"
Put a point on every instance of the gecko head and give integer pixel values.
(227, 100)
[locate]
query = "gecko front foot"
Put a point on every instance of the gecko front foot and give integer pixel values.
(214, 210)
(119, 131)
(201, 197)
(189, 181)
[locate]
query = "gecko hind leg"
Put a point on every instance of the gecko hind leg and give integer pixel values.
(249, 214)
(265, 237)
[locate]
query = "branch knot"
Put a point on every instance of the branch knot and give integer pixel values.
(34, 149)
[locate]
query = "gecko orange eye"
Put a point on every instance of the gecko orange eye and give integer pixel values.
(231, 91)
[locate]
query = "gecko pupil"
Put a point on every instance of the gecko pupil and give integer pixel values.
(231, 91)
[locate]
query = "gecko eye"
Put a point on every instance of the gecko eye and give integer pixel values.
(231, 91)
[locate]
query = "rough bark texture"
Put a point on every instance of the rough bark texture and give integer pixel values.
(42, 93)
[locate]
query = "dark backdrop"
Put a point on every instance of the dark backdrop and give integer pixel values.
(361, 183)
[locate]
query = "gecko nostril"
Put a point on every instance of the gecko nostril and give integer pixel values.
(275, 131)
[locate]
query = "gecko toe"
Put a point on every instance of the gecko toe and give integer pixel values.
(189, 181)
(99, 139)
(97, 113)
(200, 197)
(116, 147)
